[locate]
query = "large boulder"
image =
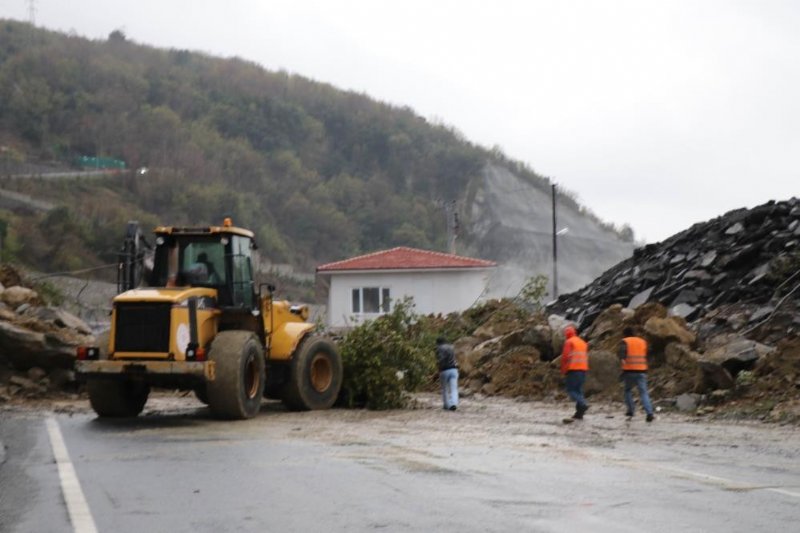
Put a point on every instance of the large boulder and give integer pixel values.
(648, 311)
(540, 336)
(26, 348)
(604, 371)
(735, 353)
(9, 275)
(6, 314)
(469, 359)
(17, 295)
(495, 329)
(713, 377)
(666, 330)
(680, 357)
(607, 326)
(725, 357)
(59, 317)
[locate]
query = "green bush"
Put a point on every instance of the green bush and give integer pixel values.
(534, 291)
(386, 358)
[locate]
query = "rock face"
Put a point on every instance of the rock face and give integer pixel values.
(510, 221)
(735, 273)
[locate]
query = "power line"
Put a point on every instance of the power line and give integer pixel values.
(73, 272)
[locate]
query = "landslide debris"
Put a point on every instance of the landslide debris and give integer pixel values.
(37, 342)
(717, 303)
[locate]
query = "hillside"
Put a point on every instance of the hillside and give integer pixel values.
(320, 174)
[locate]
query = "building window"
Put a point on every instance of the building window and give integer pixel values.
(373, 300)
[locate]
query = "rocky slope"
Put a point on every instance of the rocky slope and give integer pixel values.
(510, 222)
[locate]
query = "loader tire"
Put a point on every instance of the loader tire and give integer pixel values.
(117, 399)
(316, 375)
(237, 389)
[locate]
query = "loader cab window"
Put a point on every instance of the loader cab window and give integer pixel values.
(220, 262)
(189, 262)
(203, 263)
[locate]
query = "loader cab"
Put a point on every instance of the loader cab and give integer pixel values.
(221, 258)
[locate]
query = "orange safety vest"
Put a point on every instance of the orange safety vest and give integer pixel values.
(636, 360)
(577, 354)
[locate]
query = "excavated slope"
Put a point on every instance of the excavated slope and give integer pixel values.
(510, 222)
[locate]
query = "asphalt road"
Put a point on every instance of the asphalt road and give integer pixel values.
(494, 465)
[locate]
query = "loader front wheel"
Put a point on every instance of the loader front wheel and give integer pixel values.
(115, 398)
(237, 389)
(316, 375)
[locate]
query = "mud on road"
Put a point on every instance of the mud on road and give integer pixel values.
(486, 422)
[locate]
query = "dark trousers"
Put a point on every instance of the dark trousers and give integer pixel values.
(574, 384)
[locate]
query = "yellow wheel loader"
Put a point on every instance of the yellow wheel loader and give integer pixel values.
(200, 322)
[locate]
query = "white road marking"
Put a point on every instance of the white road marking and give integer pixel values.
(784, 492)
(79, 514)
(725, 482)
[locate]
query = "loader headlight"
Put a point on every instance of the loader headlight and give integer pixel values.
(84, 353)
(195, 352)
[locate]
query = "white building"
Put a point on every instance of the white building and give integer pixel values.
(364, 287)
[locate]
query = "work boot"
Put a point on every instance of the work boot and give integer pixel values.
(629, 415)
(650, 418)
(453, 407)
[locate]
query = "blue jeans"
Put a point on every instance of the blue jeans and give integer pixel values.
(574, 384)
(638, 380)
(449, 380)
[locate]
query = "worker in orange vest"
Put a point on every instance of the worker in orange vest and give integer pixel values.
(574, 365)
(633, 355)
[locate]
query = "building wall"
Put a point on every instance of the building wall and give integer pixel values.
(433, 291)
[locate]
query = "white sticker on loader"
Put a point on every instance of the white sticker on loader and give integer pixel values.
(182, 338)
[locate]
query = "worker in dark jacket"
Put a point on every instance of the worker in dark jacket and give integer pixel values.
(633, 355)
(574, 365)
(448, 373)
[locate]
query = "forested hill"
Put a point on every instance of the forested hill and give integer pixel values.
(320, 174)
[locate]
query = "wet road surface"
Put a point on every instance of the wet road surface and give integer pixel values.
(494, 465)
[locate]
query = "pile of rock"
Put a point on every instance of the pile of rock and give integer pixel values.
(738, 273)
(717, 303)
(37, 342)
(515, 354)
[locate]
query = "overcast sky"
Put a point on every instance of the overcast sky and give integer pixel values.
(658, 113)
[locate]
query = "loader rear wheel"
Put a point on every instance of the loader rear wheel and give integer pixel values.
(316, 375)
(115, 398)
(237, 389)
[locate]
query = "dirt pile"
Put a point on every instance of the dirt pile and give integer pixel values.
(37, 342)
(717, 303)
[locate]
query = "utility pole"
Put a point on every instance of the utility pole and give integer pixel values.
(555, 248)
(451, 223)
(32, 12)
(452, 227)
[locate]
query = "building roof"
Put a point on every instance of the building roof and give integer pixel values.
(404, 258)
